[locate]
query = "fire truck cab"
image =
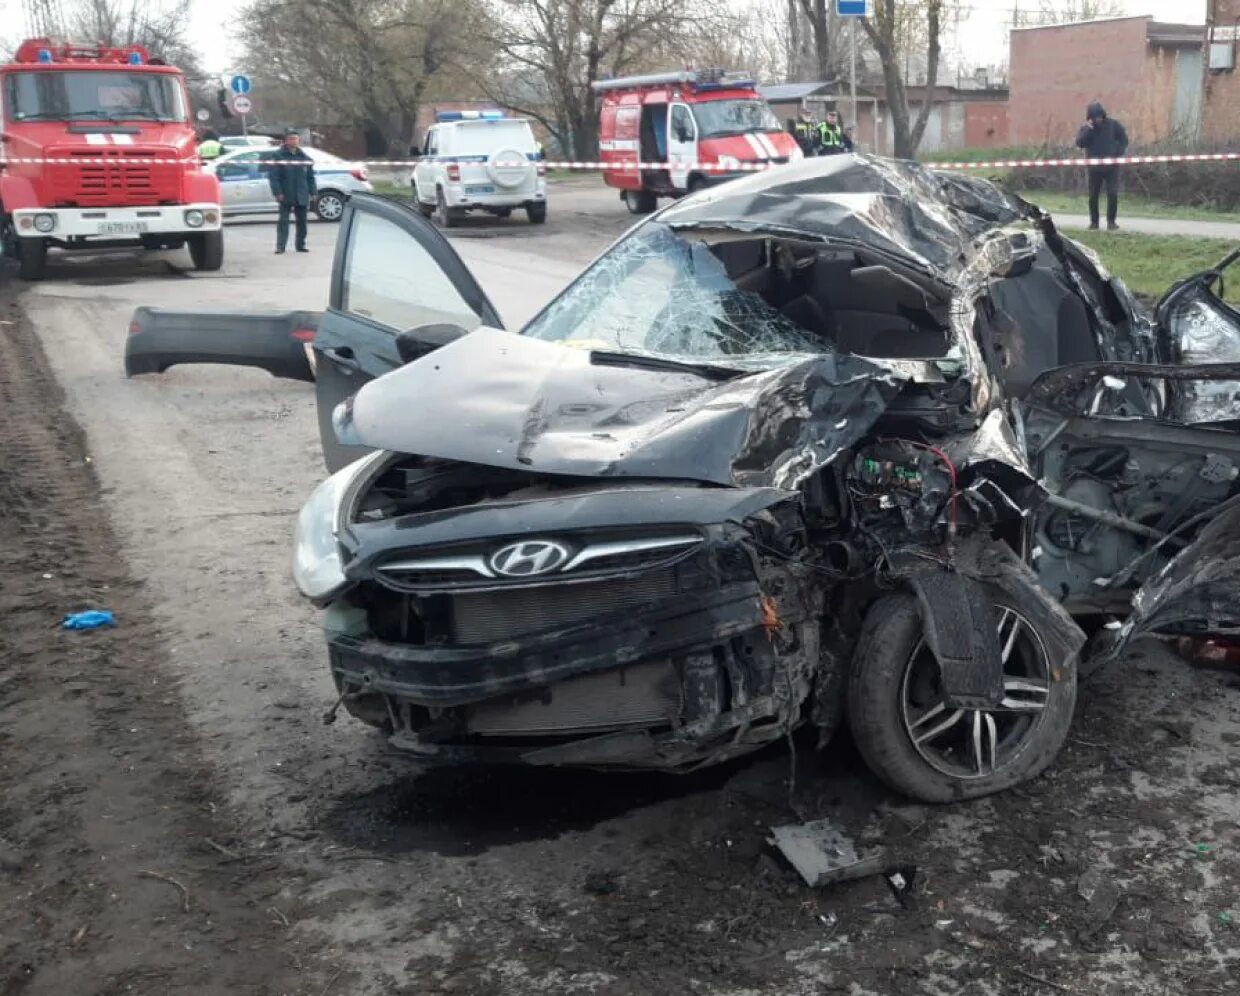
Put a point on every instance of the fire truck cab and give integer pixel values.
(692, 128)
(97, 150)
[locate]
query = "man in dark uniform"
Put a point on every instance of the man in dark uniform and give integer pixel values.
(806, 133)
(291, 175)
(1102, 138)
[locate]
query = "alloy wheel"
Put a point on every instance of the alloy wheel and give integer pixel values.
(976, 743)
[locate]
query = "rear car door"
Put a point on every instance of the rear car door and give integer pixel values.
(393, 272)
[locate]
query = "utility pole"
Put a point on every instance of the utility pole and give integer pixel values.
(852, 74)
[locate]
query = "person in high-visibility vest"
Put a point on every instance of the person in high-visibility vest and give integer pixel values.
(831, 137)
(209, 147)
(805, 132)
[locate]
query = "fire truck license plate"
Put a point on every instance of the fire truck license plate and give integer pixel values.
(121, 227)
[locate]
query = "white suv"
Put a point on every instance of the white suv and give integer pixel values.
(480, 161)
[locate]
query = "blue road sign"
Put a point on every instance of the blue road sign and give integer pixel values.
(241, 84)
(850, 8)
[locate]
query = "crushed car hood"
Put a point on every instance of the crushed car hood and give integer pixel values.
(505, 400)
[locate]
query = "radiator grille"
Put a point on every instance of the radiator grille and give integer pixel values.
(645, 695)
(493, 616)
(115, 177)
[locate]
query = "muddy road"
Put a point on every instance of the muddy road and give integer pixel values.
(175, 817)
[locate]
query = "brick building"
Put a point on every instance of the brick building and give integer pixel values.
(1221, 113)
(1147, 73)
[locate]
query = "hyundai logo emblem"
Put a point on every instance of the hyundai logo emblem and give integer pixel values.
(528, 558)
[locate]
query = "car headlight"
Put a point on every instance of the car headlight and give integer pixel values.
(317, 570)
(193, 218)
(44, 222)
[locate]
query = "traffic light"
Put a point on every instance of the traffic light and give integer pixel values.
(221, 97)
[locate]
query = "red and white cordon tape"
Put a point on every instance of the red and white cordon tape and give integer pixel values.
(677, 165)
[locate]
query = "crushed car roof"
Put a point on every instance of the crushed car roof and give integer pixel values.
(897, 207)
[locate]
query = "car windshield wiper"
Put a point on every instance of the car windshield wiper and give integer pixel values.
(708, 370)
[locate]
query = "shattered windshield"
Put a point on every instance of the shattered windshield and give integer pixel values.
(660, 294)
(716, 118)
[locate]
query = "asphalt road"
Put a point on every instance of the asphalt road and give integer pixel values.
(556, 881)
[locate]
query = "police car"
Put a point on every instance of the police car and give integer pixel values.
(479, 161)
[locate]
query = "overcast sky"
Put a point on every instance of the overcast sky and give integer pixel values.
(982, 32)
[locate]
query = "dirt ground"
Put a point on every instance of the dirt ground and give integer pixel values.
(174, 817)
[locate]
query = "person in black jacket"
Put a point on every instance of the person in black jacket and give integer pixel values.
(291, 175)
(1102, 138)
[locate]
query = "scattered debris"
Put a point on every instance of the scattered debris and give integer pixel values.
(1101, 895)
(900, 880)
(160, 876)
(91, 619)
(215, 845)
(1209, 651)
(821, 854)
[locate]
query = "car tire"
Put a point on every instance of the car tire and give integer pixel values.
(893, 717)
(640, 201)
(206, 249)
(446, 217)
(536, 211)
(329, 206)
(32, 256)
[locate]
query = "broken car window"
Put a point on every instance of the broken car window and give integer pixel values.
(391, 279)
(663, 295)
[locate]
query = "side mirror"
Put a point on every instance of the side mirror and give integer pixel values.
(413, 344)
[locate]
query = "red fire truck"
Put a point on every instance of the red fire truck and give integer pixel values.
(684, 120)
(97, 150)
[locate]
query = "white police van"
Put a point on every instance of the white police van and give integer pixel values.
(479, 161)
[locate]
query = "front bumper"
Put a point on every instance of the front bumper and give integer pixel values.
(113, 223)
(679, 685)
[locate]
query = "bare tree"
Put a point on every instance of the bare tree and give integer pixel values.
(1067, 11)
(161, 26)
(894, 31)
(552, 50)
(369, 62)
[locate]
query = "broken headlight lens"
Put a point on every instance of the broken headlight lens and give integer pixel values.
(317, 570)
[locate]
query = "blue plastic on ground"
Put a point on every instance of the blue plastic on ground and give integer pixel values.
(91, 619)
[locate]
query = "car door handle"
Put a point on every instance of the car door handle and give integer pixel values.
(343, 357)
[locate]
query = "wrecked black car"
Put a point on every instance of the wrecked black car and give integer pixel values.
(846, 441)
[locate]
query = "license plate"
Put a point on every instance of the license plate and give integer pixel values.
(479, 190)
(122, 227)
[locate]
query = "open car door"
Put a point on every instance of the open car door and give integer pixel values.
(398, 289)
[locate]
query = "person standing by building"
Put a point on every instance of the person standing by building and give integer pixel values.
(291, 175)
(806, 133)
(1102, 138)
